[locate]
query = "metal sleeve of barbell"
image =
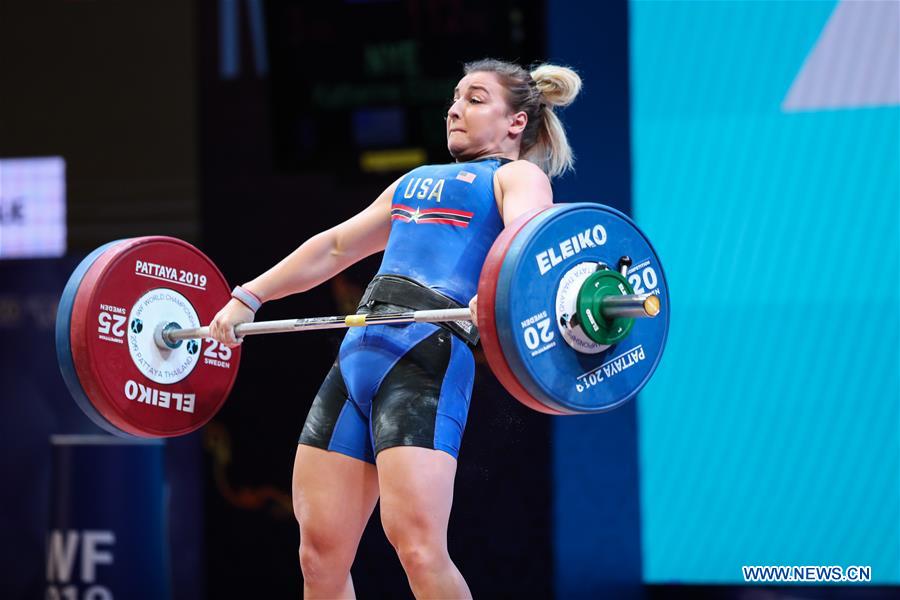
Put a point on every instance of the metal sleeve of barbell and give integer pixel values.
(630, 306)
(337, 322)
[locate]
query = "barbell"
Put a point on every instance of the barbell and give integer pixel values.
(573, 314)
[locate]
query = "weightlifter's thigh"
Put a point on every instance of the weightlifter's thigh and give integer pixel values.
(333, 496)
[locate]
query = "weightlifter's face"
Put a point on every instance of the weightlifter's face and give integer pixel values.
(479, 118)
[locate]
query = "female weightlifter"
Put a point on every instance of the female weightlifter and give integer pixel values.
(389, 417)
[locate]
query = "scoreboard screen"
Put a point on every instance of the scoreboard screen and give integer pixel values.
(32, 207)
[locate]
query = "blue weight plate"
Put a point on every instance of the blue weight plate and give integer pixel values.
(549, 246)
(63, 336)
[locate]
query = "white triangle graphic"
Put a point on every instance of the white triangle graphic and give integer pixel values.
(855, 62)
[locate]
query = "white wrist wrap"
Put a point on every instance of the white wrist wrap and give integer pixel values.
(248, 298)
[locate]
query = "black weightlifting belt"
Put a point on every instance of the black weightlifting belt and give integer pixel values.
(407, 293)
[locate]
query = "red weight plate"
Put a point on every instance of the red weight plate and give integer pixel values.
(487, 322)
(124, 295)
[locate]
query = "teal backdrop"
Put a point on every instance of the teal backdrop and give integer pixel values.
(771, 432)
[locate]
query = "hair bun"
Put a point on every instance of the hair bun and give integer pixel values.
(558, 85)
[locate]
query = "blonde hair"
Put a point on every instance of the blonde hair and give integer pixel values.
(544, 140)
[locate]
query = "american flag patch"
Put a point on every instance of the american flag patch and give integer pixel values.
(466, 176)
(435, 216)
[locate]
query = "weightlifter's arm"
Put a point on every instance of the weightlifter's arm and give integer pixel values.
(519, 186)
(317, 260)
(523, 187)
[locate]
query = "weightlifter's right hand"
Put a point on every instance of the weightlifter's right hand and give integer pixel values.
(222, 326)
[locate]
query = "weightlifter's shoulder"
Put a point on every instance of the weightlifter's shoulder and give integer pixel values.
(520, 185)
(521, 169)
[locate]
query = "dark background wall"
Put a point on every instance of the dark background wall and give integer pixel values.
(111, 87)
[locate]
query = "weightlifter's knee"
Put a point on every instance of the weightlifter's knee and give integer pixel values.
(421, 561)
(421, 550)
(324, 560)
